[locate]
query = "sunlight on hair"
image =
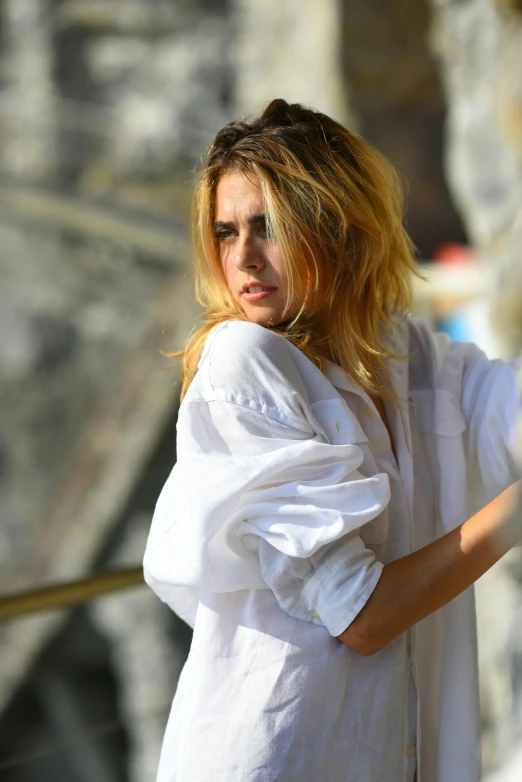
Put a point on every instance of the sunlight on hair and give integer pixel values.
(335, 206)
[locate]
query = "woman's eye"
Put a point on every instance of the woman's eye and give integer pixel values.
(222, 235)
(264, 232)
(261, 231)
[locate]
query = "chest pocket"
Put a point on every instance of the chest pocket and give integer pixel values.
(438, 411)
(441, 426)
(335, 421)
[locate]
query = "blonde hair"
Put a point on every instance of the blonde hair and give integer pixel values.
(334, 204)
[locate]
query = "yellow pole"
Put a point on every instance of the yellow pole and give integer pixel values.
(68, 594)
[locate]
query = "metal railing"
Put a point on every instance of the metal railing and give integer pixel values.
(70, 593)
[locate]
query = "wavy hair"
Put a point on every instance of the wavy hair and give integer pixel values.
(334, 204)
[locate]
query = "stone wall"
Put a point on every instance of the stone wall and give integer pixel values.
(289, 50)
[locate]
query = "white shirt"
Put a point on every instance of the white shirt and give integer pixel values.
(271, 534)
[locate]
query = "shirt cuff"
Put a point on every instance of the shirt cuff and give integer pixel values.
(335, 612)
(330, 587)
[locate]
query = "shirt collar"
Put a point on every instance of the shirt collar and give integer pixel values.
(338, 377)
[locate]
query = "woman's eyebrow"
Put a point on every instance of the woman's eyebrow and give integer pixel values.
(252, 220)
(260, 218)
(222, 224)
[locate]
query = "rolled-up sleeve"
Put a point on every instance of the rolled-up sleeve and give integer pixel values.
(253, 503)
(328, 588)
(300, 517)
(259, 497)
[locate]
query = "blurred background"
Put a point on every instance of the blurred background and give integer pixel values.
(106, 108)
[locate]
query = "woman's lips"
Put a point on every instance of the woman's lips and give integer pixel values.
(256, 295)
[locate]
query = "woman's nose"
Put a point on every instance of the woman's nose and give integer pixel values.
(248, 254)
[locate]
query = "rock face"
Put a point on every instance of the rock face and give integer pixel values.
(290, 50)
(104, 108)
(113, 97)
(479, 44)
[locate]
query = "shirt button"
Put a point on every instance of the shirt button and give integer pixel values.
(367, 411)
(410, 752)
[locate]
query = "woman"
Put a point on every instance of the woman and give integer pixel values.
(344, 476)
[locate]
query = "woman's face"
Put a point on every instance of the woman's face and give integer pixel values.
(251, 259)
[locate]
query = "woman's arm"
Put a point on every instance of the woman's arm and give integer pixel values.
(414, 586)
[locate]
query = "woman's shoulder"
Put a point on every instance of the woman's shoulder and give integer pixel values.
(249, 364)
(246, 339)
